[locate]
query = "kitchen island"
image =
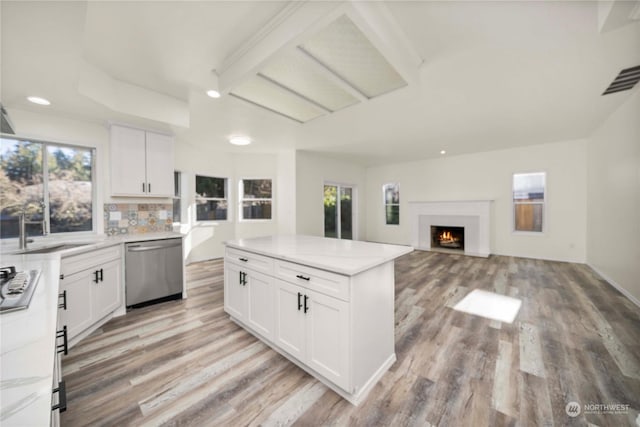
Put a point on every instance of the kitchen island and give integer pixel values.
(325, 304)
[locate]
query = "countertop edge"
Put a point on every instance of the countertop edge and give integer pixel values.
(402, 250)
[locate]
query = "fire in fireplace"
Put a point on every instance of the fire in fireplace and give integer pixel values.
(447, 237)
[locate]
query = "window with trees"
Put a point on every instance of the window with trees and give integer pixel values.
(391, 198)
(255, 199)
(48, 182)
(211, 198)
(528, 201)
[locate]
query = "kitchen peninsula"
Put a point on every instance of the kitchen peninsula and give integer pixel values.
(325, 304)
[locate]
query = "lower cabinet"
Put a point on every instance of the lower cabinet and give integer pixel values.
(249, 298)
(92, 290)
(307, 325)
(313, 328)
(337, 327)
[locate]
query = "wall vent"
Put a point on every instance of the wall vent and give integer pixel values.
(625, 80)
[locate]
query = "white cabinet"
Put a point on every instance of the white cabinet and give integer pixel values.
(313, 328)
(141, 163)
(106, 293)
(249, 298)
(91, 284)
(78, 315)
(338, 328)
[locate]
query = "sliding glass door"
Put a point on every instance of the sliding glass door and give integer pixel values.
(338, 211)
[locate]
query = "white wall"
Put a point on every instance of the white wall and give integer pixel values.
(205, 239)
(487, 176)
(286, 192)
(312, 171)
(613, 227)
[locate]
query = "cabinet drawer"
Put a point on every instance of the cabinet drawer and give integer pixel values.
(250, 260)
(332, 284)
(77, 263)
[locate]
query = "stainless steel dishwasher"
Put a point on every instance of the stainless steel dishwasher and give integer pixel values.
(153, 271)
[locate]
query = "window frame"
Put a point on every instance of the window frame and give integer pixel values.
(227, 193)
(544, 203)
(241, 199)
(45, 185)
(354, 208)
(178, 196)
(385, 204)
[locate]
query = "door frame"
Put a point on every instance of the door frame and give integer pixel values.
(354, 208)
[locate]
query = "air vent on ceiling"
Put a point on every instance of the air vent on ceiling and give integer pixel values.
(625, 80)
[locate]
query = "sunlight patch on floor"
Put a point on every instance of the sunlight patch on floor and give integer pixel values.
(490, 305)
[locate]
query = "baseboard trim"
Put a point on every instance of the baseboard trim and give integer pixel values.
(616, 285)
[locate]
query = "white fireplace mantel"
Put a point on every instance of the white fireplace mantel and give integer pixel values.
(473, 215)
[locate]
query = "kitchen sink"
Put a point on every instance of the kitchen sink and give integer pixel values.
(56, 248)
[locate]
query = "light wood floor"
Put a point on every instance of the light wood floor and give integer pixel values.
(185, 363)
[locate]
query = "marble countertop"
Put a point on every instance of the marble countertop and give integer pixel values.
(27, 347)
(27, 337)
(89, 243)
(346, 257)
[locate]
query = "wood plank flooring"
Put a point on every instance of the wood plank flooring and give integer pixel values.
(185, 363)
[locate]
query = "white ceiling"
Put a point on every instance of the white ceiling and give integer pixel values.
(493, 74)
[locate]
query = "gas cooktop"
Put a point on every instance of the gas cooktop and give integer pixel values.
(16, 288)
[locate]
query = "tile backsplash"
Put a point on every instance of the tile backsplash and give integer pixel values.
(137, 218)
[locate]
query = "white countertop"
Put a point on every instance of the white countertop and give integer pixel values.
(90, 242)
(27, 345)
(347, 257)
(27, 337)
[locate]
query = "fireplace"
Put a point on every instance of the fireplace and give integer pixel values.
(447, 237)
(472, 215)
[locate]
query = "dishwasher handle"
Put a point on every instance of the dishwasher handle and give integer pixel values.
(141, 248)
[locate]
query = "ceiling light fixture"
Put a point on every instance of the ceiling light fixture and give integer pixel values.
(443, 152)
(213, 93)
(240, 140)
(38, 100)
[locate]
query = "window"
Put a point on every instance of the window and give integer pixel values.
(528, 201)
(177, 182)
(391, 194)
(211, 198)
(49, 182)
(339, 211)
(255, 199)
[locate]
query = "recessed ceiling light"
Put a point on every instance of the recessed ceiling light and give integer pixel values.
(240, 140)
(38, 100)
(213, 93)
(443, 152)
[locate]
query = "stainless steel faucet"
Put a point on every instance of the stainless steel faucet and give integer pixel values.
(22, 223)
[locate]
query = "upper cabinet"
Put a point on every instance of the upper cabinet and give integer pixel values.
(141, 163)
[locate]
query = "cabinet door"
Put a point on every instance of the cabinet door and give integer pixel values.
(260, 299)
(235, 295)
(290, 319)
(106, 295)
(128, 161)
(328, 337)
(78, 316)
(159, 151)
